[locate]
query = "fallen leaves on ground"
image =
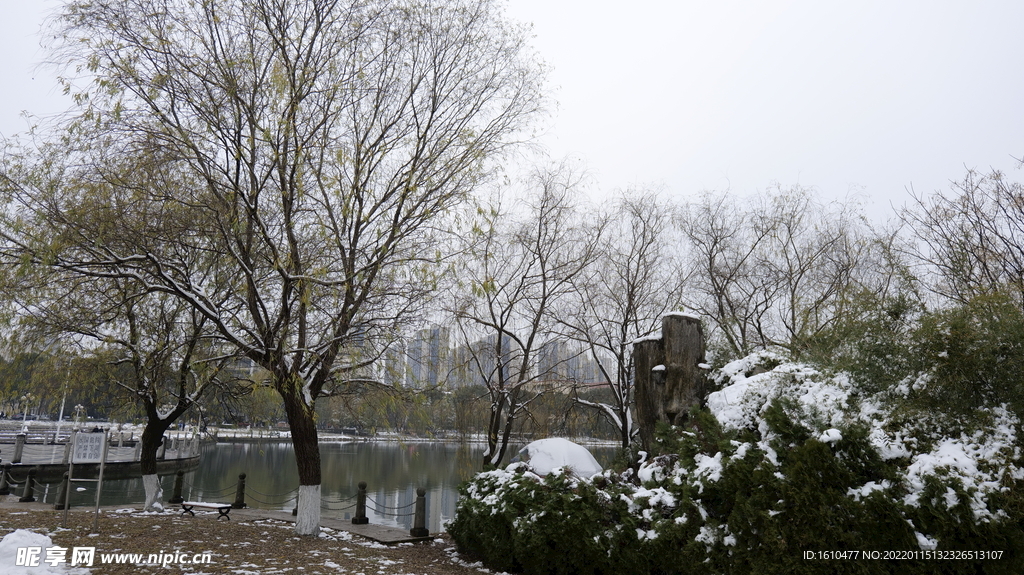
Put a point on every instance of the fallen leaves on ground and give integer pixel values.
(256, 547)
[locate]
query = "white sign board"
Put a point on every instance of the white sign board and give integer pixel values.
(88, 448)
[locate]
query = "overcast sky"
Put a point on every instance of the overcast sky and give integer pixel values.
(866, 98)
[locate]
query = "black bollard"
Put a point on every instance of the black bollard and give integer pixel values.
(360, 518)
(62, 495)
(29, 495)
(419, 522)
(240, 493)
(176, 496)
(5, 485)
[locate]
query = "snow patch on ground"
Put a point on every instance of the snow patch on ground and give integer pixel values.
(22, 538)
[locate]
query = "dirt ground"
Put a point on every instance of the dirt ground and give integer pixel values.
(241, 546)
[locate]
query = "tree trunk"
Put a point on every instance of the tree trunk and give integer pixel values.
(153, 493)
(625, 429)
(307, 458)
(683, 341)
(151, 439)
(493, 429)
(649, 386)
(669, 381)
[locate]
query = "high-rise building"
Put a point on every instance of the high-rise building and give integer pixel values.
(428, 358)
(562, 364)
(393, 366)
(464, 372)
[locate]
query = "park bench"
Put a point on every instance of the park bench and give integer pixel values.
(222, 508)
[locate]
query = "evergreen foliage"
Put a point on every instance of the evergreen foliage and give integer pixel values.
(793, 480)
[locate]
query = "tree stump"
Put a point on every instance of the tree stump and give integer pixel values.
(668, 379)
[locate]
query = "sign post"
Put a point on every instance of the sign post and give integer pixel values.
(87, 448)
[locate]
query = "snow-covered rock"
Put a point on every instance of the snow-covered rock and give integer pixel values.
(545, 455)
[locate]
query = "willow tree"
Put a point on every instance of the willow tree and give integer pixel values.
(316, 146)
(635, 279)
(152, 348)
(520, 268)
(774, 270)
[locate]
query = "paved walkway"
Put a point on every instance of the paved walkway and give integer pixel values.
(378, 533)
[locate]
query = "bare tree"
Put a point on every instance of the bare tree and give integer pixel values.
(774, 271)
(723, 241)
(518, 269)
(310, 147)
(635, 279)
(814, 256)
(970, 239)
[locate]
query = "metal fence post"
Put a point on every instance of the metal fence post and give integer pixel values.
(62, 495)
(5, 485)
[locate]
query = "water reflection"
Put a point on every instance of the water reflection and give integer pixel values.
(392, 472)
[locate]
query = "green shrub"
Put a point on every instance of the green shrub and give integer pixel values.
(516, 521)
(872, 341)
(974, 355)
(723, 505)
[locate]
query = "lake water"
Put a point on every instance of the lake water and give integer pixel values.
(392, 471)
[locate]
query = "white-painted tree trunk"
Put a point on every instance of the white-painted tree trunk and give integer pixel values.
(307, 521)
(153, 493)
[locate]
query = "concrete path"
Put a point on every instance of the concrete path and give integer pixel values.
(379, 533)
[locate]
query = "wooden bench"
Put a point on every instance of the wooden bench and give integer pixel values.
(222, 508)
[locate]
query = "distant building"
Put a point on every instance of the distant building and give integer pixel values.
(393, 364)
(476, 364)
(464, 373)
(562, 364)
(428, 358)
(557, 363)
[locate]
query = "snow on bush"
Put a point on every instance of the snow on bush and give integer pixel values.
(979, 463)
(789, 458)
(546, 455)
(742, 402)
(825, 402)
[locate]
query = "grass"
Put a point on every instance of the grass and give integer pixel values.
(241, 547)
